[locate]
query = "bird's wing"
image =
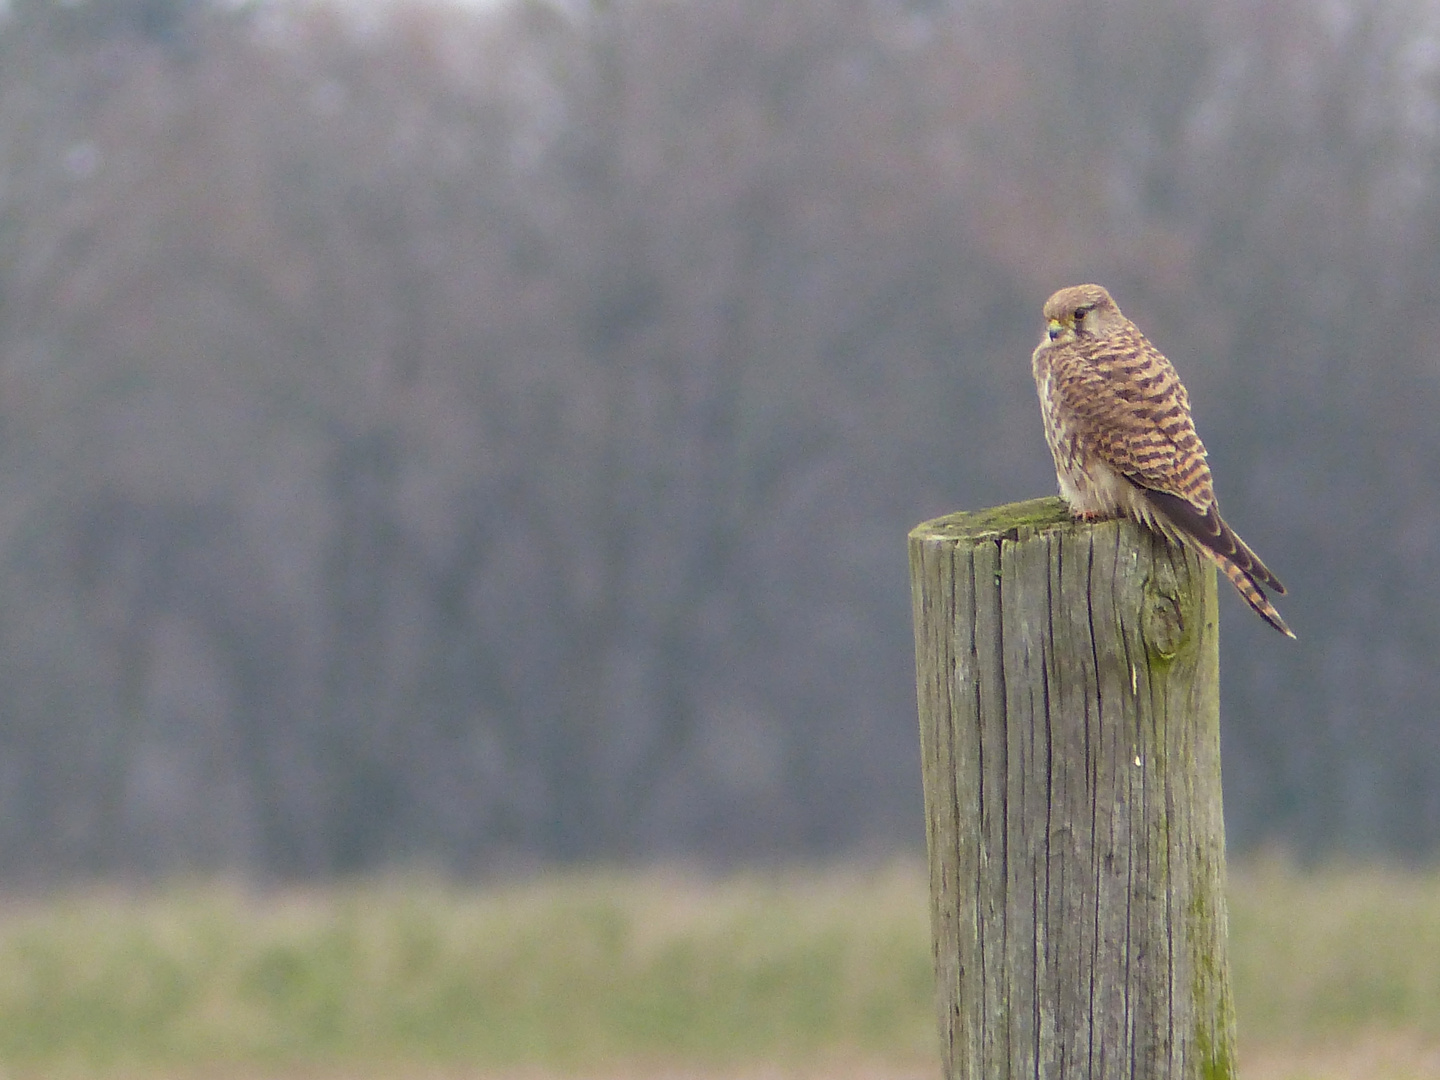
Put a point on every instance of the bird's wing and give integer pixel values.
(1129, 407)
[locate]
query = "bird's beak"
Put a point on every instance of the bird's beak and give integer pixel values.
(1054, 328)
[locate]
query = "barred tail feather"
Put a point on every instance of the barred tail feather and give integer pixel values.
(1252, 593)
(1208, 532)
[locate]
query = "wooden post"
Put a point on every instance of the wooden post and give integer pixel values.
(1070, 737)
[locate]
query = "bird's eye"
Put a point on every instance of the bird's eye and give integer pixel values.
(1081, 312)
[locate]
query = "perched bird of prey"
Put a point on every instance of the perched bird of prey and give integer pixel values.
(1118, 423)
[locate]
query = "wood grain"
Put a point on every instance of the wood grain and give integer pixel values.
(1067, 677)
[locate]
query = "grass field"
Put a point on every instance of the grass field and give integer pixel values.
(823, 974)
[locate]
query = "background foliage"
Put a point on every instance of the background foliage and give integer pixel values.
(484, 435)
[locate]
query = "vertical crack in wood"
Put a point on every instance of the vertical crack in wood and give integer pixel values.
(981, 923)
(1002, 690)
(1043, 957)
(1092, 772)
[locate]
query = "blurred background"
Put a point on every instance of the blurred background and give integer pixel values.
(485, 436)
(451, 452)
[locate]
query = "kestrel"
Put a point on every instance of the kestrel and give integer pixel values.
(1118, 423)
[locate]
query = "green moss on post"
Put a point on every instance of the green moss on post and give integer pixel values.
(1069, 722)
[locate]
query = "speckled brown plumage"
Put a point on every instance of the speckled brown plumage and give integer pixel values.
(1118, 424)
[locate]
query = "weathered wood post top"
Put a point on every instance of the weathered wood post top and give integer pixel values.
(1067, 677)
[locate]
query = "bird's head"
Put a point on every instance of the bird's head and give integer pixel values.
(1080, 311)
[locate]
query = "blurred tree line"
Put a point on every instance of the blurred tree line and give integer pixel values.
(489, 435)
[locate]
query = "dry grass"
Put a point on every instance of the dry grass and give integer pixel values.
(1388, 1056)
(1375, 1057)
(1337, 953)
(573, 972)
(824, 1069)
(800, 976)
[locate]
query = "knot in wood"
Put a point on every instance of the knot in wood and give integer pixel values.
(1164, 618)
